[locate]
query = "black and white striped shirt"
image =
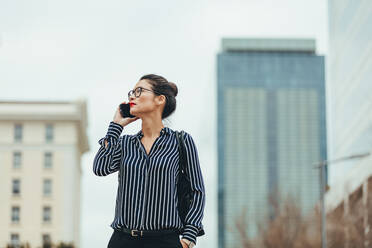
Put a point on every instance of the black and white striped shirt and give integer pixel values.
(147, 183)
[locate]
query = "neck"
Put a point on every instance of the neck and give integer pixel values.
(151, 127)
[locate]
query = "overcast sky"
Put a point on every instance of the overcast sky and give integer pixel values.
(62, 50)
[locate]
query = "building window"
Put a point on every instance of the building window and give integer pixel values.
(47, 160)
(17, 159)
(49, 132)
(14, 240)
(46, 240)
(18, 132)
(16, 187)
(15, 214)
(47, 187)
(47, 211)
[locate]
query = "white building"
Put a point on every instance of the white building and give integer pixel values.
(349, 91)
(41, 144)
(349, 86)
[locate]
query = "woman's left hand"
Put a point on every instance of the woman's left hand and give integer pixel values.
(183, 243)
(187, 244)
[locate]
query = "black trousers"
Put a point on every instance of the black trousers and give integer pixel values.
(124, 240)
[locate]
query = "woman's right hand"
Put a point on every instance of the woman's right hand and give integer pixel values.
(123, 121)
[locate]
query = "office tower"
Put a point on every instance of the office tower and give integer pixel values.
(41, 144)
(271, 129)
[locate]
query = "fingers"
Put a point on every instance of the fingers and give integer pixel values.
(121, 103)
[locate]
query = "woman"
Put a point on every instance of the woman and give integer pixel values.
(147, 163)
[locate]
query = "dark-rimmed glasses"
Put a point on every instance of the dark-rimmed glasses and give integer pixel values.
(137, 92)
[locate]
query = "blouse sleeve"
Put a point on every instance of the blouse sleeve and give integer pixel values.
(195, 215)
(107, 160)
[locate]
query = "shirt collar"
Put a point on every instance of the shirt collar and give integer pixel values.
(164, 130)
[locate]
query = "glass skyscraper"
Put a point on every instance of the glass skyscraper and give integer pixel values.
(271, 129)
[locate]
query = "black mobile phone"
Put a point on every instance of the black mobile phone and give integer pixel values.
(125, 110)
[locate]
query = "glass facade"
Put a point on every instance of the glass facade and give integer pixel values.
(349, 83)
(271, 131)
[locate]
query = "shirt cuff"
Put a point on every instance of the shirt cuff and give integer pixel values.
(190, 232)
(112, 136)
(114, 130)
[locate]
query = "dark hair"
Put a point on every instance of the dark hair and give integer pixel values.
(163, 87)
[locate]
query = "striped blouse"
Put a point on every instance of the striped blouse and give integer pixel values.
(147, 183)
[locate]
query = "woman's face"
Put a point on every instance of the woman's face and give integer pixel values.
(147, 102)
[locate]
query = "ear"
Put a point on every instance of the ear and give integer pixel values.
(161, 99)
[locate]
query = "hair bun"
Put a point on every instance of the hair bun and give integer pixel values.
(174, 88)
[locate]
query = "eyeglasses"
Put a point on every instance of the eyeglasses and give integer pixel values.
(137, 92)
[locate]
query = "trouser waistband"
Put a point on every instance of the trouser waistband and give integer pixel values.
(142, 233)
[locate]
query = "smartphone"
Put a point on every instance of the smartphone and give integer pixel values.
(125, 110)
